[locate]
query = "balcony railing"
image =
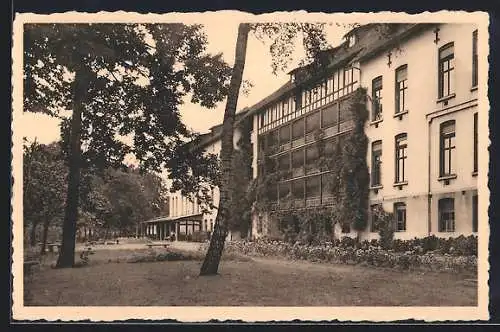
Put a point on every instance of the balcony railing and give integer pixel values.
(313, 201)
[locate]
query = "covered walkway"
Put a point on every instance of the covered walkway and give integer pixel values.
(163, 228)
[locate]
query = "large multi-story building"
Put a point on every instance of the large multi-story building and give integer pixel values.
(187, 216)
(421, 81)
(423, 129)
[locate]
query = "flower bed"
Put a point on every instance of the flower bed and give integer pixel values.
(364, 253)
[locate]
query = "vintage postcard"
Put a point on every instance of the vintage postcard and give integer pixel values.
(231, 166)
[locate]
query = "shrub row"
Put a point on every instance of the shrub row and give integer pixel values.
(153, 256)
(459, 246)
(363, 254)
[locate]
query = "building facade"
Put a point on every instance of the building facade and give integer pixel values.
(423, 130)
(421, 84)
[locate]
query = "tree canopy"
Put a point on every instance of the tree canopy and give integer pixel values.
(124, 84)
(119, 199)
(44, 183)
(138, 76)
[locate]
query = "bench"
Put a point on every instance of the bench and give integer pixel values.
(53, 246)
(151, 245)
(50, 246)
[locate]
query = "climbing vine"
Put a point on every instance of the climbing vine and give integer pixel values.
(347, 182)
(242, 176)
(384, 223)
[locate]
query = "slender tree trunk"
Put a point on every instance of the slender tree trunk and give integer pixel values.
(67, 255)
(33, 234)
(44, 236)
(212, 259)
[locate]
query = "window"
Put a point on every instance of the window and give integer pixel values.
(284, 164)
(376, 161)
(377, 99)
(259, 224)
(298, 192)
(313, 190)
(330, 147)
(206, 225)
(329, 117)
(446, 207)
(284, 191)
(284, 134)
(272, 142)
(312, 156)
(474, 58)
(374, 227)
(447, 149)
(312, 122)
(446, 66)
(401, 88)
(475, 142)
(400, 217)
(474, 213)
(401, 155)
(345, 113)
(298, 129)
(298, 162)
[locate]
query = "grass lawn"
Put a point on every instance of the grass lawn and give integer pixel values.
(241, 282)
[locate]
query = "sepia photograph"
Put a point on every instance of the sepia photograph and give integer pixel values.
(226, 165)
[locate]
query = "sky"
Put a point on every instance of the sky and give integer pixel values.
(221, 36)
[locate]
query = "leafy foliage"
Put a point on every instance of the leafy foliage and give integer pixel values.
(44, 185)
(282, 38)
(119, 199)
(385, 226)
(241, 205)
(138, 76)
(124, 84)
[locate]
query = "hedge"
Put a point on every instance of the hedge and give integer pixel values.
(422, 254)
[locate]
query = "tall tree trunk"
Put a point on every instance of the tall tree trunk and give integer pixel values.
(33, 234)
(212, 259)
(67, 255)
(44, 236)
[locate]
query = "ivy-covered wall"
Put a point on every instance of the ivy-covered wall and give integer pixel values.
(348, 184)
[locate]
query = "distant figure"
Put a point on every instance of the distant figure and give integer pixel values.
(172, 237)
